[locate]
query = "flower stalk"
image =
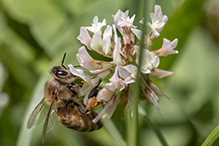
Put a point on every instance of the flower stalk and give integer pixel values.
(134, 130)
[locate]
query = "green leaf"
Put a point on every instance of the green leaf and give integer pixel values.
(213, 138)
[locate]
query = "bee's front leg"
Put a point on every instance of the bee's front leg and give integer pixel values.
(74, 88)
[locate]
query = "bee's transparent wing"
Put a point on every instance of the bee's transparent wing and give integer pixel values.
(32, 119)
(50, 119)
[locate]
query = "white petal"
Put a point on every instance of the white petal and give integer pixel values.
(95, 20)
(115, 82)
(116, 54)
(127, 73)
(165, 19)
(108, 32)
(110, 86)
(79, 73)
(142, 21)
(158, 73)
(158, 12)
(147, 56)
(137, 33)
(152, 97)
(157, 90)
(96, 26)
(96, 43)
(115, 33)
(86, 60)
(108, 109)
(84, 37)
(106, 45)
(103, 74)
(145, 70)
(156, 61)
(167, 48)
(153, 18)
(100, 25)
(174, 43)
(104, 94)
(166, 44)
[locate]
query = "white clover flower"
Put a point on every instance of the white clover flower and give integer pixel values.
(102, 43)
(159, 14)
(122, 19)
(123, 53)
(108, 109)
(167, 48)
(149, 61)
(84, 37)
(128, 73)
(86, 60)
(158, 21)
(124, 25)
(96, 26)
(115, 82)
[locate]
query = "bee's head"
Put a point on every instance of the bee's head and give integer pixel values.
(62, 73)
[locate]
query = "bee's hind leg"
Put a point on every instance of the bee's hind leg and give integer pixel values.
(79, 107)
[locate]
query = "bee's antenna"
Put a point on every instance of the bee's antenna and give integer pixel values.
(63, 61)
(77, 66)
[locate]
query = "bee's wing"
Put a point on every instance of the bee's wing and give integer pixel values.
(52, 117)
(34, 114)
(50, 112)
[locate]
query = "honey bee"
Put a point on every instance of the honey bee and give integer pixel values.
(60, 95)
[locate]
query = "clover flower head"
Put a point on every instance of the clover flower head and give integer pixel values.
(121, 55)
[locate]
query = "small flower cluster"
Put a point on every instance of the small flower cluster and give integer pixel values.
(124, 57)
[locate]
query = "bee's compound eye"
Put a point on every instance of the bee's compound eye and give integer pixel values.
(61, 73)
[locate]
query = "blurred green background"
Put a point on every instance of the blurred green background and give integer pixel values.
(34, 34)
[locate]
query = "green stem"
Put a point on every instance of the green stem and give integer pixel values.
(213, 138)
(133, 138)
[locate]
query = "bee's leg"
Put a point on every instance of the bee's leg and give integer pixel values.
(79, 107)
(74, 88)
(92, 100)
(93, 93)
